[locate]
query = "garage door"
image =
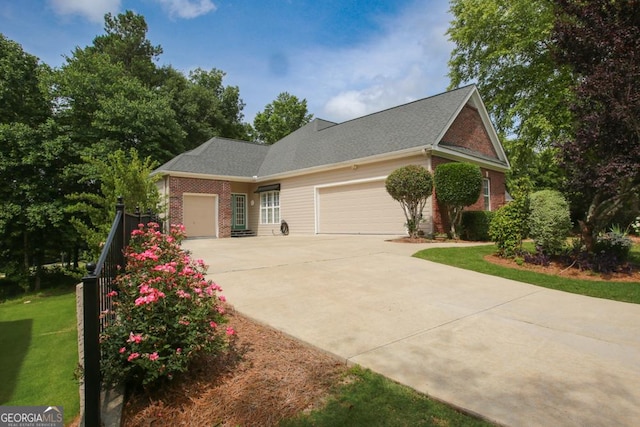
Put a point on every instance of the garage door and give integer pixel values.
(363, 208)
(200, 215)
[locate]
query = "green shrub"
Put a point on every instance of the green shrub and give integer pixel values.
(166, 312)
(614, 243)
(549, 220)
(475, 225)
(457, 185)
(412, 186)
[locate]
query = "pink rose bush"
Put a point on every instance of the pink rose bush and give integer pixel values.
(166, 312)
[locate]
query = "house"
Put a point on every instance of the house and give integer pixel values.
(329, 177)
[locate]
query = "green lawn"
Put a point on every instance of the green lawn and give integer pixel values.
(38, 337)
(471, 258)
(368, 399)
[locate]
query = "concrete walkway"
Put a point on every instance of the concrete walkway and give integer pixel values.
(516, 354)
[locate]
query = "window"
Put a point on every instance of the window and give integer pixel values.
(486, 193)
(270, 207)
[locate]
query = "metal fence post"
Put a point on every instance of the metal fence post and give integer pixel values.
(91, 313)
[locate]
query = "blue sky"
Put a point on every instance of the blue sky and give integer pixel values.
(347, 58)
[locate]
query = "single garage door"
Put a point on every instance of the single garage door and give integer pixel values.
(363, 208)
(200, 215)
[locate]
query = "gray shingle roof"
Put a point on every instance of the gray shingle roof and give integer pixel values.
(219, 156)
(417, 124)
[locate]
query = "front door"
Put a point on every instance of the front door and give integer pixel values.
(239, 212)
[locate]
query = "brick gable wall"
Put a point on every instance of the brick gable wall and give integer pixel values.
(468, 131)
(178, 186)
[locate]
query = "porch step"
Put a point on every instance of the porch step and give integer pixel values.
(243, 233)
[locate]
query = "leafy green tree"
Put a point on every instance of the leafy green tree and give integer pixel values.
(125, 42)
(283, 116)
(123, 174)
(204, 106)
(600, 41)
(412, 186)
(505, 47)
(458, 185)
(549, 220)
(21, 98)
(31, 211)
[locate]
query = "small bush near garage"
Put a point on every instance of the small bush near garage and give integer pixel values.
(166, 312)
(475, 225)
(549, 221)
(457, 185)
(412, 186)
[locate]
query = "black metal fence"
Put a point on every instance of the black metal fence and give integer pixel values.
(98, 303)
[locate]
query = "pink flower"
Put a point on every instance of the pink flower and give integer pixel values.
(220, 309)
(183, 294)
(184, 322)
(178, 350)
(122, 350)
(222, 298)
(137, 338)
(112, 294)
(230, 331)
(213, 324)
(133, 356)
(154, 356)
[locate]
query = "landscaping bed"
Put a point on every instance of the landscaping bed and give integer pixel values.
(265, 378)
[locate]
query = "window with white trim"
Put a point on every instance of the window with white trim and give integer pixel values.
(270, 207)
(486, 193)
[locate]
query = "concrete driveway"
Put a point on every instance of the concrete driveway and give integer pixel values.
(514, 353)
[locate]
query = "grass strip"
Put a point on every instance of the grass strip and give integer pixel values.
(472, 258)
(368, 399)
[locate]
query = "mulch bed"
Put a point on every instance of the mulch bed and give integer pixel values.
(265, 377)
(558, 269)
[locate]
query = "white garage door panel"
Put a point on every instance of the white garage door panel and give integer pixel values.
(199, 215)
(364, 208)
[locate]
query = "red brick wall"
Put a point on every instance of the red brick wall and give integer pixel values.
(179, 186)
(468, 131)
(497, 190)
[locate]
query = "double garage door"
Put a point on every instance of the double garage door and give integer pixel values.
(362, 208)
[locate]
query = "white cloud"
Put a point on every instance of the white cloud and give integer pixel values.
(188, 9)
(94, 10)
(407, 61)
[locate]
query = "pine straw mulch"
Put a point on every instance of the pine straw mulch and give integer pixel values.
(559, 269)
(265, 377)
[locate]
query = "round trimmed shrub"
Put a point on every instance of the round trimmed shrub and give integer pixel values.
(457, 185)
(410, 185)
(549, 220)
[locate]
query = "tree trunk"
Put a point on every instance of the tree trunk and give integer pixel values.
(586, 233)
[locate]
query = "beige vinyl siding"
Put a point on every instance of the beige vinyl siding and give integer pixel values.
(298, 195)
(200, 215)
(360, 208)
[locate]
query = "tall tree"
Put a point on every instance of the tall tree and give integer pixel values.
(281, 117)
(504, 46)
(30, 148)
(121, 173)
(204, 106)
(21, 98)
(125, 41)
(600, 41)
